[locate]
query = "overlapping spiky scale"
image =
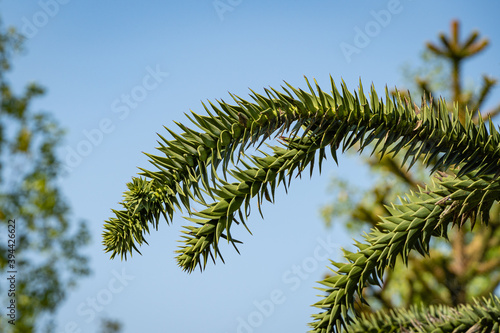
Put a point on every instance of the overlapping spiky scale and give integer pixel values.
(481, 316)
(308, 124)
(409, 227)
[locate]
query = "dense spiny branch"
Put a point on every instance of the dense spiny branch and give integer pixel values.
(310, 125)
(410, 226)
(482, 316)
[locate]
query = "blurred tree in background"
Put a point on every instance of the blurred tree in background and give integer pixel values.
(110, 326)
(48, 248)
(469, 264)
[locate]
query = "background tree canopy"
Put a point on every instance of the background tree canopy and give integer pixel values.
(48, 248)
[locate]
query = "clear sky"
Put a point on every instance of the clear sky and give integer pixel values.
(167, 56)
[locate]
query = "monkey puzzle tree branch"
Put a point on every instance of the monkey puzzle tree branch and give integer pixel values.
(410, 227)
(482, 316)
(492, 113)
(193, 167)
(488, 84)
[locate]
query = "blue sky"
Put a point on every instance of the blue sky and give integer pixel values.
(167, 57)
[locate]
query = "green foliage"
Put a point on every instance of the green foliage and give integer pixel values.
(110, 326)
(48, 247)
(310, 126)
(410, 226)
(482, 316)
(468, 265)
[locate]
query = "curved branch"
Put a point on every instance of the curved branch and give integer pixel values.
(409, 227)
(312, 122)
